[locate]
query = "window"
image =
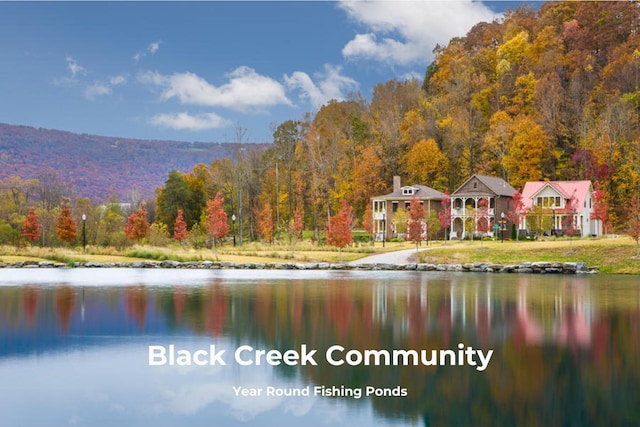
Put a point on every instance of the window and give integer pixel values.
(408, 191)
(394, 206)
(548, 202)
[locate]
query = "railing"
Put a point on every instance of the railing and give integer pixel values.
(379, 216)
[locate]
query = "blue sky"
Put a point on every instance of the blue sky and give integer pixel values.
(196, 71)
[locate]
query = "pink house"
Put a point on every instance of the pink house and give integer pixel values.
(556, 206)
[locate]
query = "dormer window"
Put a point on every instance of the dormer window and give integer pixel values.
(408, 191)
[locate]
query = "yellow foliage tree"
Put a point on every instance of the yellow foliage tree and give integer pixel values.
(526, 152)
(426, 164)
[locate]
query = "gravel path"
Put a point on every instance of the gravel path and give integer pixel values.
(398, 257)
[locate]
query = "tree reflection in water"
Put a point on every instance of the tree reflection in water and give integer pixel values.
(566, 349)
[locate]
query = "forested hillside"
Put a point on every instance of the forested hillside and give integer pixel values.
(545, 94)
(98, 167)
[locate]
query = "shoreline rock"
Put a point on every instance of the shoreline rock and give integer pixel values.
(538, 267)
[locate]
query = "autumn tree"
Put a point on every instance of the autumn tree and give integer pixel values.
(180, 228)
(66, 227)
(517, 211)
(216, 224)
(339, 228)
(426, 164)
(295, 224)
(416, 224)
(600, 207)
(31, 227)
(444, 216)
(137, 226)
(526, 152)
(265, 222)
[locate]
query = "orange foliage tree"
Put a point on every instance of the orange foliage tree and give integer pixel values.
(65, 225)
(339, 228)
(31, 228)
(137, 226)
(265, 222)
(295, 224)
(180, 227)
(217, 225)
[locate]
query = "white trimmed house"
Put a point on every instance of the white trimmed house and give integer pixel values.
(550, 199)
(465, 204)
(385, 207)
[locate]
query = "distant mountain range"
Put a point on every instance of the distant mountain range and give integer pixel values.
(99, 166)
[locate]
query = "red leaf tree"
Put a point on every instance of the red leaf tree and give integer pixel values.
(31, 228)
(295, 224)
(517, 211)
(66, 227)
(600, 207)
(180, 227)
(339, 228)
(137, 226)
(444, 216)
(217, 225)
(416, 231)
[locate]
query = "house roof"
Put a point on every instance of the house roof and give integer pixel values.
(566, 189)
(423, 193)
(498, 186)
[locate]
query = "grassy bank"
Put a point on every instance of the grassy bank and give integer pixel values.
(611, 255)
(301, 252)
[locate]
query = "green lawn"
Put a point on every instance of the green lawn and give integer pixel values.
(612, 255)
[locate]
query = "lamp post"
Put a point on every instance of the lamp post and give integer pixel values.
(233, 228)
(553, 219)
(502, 227)
(84, 232)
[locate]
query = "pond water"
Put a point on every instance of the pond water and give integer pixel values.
(84, 347)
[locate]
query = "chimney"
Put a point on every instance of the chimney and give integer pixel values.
(396, 183)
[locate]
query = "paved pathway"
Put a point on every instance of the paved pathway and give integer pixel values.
(397, 257)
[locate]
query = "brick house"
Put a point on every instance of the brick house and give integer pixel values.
(385, 207)
(466, 205)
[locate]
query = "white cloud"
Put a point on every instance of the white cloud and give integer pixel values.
(99, 88)
(406, 33)
(331, 84)
(74, 67)
(118, 80)
(186, 121)
(151, 49)
(245, 89)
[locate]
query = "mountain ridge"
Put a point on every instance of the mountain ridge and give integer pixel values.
(97, 166)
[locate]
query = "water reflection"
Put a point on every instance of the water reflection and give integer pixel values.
(565, 348)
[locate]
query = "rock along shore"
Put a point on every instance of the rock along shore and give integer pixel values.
(525, 267)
